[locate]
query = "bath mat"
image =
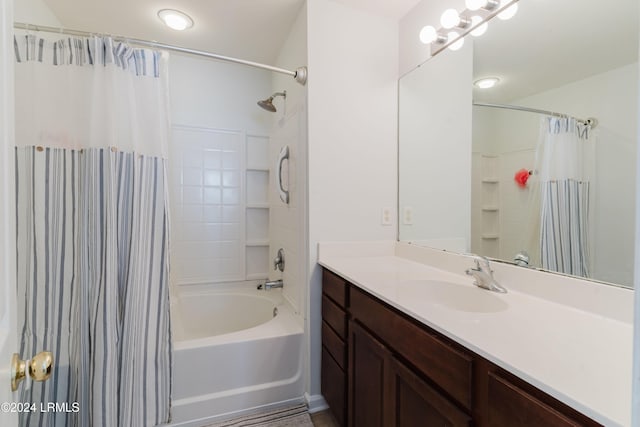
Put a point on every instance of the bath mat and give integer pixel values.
(294, 416)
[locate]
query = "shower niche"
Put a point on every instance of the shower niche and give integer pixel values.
(257, 207)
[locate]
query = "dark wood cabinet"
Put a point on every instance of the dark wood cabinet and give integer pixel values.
(383, 368)
(368, 366)
(334, 345)
(412, 402)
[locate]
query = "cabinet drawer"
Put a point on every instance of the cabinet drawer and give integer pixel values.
(449, 367)
(335, 317)
(510, 405)
(335, 287)
(334, 345)
(334, 387)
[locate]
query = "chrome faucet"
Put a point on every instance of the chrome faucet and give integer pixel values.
(271, 284)
(484, 275)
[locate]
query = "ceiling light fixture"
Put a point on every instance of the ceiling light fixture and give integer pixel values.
(487, 82)
(175, 19)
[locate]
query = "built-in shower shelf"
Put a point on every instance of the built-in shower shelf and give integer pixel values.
(490, 236)
(257, 243)
(490, 209)
(490, 180)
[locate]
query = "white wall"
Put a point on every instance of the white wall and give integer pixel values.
(218, 131)
(352, 102)
(34, 12)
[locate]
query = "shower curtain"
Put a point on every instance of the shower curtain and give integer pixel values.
(565, 164)
(92, 230)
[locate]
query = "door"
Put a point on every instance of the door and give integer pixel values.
(8, 329)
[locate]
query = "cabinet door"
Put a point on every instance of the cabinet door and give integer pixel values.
(368, 365)
(412, 402)
(510, 405)
(334, 387)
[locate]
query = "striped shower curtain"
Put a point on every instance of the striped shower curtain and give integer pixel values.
(565, 164)
(92, 232)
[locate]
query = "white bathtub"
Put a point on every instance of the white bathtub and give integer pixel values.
(231, 355)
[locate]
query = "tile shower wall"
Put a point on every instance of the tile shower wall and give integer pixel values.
(218, 170)
(206, 184)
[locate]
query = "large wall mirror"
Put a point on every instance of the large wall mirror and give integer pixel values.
(572, 207)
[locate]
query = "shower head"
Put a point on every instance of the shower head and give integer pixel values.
(267, 104)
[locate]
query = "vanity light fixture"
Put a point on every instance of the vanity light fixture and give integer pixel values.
(471, 20)
(481, 4)
(487, 82)
(175, 19)
(480, 26)
(509, 11)
(451, 18)
(459, 41)
(428, 34)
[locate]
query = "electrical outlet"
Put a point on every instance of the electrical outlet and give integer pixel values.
(386, 216)
(407, 215)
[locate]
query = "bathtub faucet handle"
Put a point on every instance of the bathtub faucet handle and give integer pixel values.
(278, 261)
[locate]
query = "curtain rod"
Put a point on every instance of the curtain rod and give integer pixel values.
(589, 121)
(300, 74)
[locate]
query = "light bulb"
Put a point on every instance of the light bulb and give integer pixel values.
(486, 83)
(452, 36)
(480, 29)
(450, 18)
(475, 4)
(428, 34)
(175, 19)
(509, 12)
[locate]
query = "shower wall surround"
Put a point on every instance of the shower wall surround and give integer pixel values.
(218, 172)
(287, 222)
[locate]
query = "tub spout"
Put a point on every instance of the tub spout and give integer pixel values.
(271, 284)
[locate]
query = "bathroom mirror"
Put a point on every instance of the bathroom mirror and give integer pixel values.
(457, 162)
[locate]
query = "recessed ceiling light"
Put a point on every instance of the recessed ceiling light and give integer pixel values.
(175, 19)
(486, 83)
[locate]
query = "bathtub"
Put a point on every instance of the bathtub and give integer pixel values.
(236, 349)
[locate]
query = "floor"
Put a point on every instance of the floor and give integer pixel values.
(323, 419)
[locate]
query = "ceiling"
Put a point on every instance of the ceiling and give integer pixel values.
(550, 43)
(249, 29)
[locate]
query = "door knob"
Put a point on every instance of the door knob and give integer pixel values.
(39, 368)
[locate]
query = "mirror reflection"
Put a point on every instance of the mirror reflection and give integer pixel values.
(551, 191)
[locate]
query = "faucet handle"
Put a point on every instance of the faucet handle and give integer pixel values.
(278, 261)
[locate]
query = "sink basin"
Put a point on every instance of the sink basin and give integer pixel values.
(453, 296)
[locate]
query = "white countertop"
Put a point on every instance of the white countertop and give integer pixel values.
(575, 352)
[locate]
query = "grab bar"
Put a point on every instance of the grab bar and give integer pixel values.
(284, 155)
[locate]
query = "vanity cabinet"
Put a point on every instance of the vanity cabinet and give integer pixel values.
(334, 346)
(384, 392)
(382, 368)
